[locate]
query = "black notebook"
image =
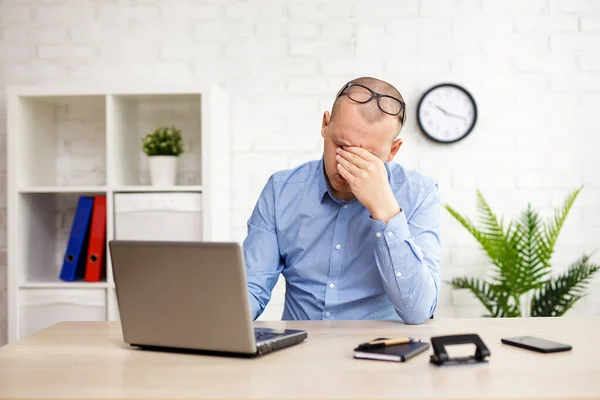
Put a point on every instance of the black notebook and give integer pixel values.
(398, 352)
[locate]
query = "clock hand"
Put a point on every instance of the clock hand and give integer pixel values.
(456, 116)
(449, 113)
(441, 109)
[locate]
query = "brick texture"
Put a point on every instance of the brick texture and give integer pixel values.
(533, 67)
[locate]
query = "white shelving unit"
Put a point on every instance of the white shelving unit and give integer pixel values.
(68, 141)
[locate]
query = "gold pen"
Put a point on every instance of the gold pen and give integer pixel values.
(385, 342)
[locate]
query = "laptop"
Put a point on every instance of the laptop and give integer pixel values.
(189, 296)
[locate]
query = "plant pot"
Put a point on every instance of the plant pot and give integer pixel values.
(163, 170)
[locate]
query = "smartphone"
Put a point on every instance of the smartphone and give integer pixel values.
(536, 344)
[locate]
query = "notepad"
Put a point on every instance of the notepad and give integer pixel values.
(398, 353)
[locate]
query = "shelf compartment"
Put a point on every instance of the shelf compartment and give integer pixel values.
(61, 141)
(45, 221)
(131, 117)
(41, 308)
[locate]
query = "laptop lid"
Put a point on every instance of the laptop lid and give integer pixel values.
(190, 295)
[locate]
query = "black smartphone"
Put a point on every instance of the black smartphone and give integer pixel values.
(536, 344)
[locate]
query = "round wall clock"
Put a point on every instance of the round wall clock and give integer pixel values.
(447, 113)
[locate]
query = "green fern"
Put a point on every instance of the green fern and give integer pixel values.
(521, 252)
(531, 267)
(493, 297)
(558, 295)
(553, 227)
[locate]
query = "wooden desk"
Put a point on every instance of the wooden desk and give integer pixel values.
(85, 360)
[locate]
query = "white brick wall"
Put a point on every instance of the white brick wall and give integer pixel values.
(532, 65)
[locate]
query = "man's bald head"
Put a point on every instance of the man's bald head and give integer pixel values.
(370, 111)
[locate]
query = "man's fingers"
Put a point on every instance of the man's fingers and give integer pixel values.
(348, 166)
(360, 153)
(352, 157)
(344, 173)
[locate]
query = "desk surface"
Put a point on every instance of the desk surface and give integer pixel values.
(89, 359)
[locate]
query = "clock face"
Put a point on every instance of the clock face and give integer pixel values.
(447, 113)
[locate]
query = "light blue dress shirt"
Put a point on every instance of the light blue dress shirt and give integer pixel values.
(337, 261)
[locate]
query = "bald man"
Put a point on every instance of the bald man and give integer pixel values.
(355, 235)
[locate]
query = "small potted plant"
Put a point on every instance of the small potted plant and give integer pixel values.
(163, 145)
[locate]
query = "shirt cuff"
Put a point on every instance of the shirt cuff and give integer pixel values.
(395, 231)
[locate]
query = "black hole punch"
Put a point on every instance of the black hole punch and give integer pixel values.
(93, 258)
(440, 356)
(70, 258)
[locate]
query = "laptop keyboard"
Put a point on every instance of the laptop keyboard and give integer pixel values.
(265, 335)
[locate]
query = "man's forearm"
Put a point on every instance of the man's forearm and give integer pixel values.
(410, 274)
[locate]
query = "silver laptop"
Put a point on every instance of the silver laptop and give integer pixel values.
(189, 295)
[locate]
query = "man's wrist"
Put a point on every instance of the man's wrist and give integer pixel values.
(384, 214)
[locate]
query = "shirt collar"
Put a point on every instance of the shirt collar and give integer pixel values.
(324, 186)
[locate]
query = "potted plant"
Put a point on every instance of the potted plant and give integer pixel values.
(163, 145)
(522, 283)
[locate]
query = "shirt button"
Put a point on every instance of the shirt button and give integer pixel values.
(390, 233)
(345, 205)
(398, 274)
(338, 246)
(327, 314)
(331, 285)
(378, 234)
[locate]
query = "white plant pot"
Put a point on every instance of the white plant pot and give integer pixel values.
(163, 170)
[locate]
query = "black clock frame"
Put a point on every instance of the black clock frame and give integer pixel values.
(465, 91)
